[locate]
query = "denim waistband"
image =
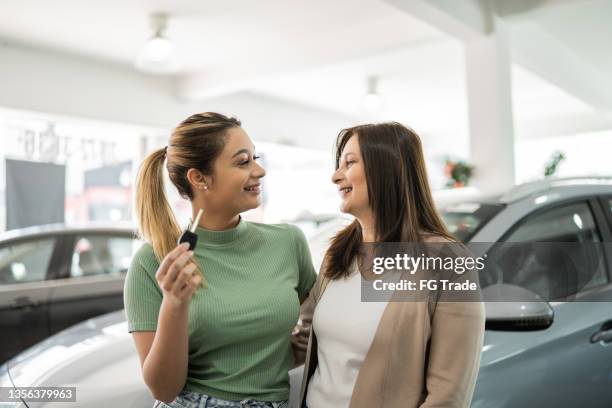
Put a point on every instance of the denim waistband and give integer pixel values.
(193, 399)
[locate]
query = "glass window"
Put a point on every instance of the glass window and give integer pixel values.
(553, 271)
(101, 255)
(568, 223)
(26, 261)
(464, 220)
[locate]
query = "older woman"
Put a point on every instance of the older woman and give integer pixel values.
(386, 354)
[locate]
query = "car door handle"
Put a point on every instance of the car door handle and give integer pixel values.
(604, 335)
(24, 302)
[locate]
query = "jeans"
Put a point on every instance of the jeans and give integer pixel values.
(192, 399)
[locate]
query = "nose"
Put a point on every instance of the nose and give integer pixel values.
(337, 176)
(258, 171)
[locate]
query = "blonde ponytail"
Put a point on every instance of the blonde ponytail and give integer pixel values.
(156, 221)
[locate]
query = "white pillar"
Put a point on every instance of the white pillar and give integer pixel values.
(489, 92)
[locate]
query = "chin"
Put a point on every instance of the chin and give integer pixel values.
(353, 210)
(252, 204)
(345, 209)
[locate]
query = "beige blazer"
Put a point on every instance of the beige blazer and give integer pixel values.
(424, 353)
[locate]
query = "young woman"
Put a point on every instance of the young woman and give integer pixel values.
(213, 327)
(386, 354)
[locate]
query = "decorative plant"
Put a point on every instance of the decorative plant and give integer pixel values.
(458, 173)
(553, 163)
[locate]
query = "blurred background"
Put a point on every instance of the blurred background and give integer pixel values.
(501, 92)
(512, 100)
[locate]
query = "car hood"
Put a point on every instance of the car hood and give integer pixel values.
(97, 356)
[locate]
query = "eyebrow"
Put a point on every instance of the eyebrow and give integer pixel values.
(240, 152)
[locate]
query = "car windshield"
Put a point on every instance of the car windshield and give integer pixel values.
(464, 220)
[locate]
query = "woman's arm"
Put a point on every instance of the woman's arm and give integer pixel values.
(457, 336)
(301, 332)
(164, 353)
(306, 281)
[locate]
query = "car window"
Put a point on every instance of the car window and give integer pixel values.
(101, 255)
(554, 271)
(568, 223)
(25, 261)
(464, 220)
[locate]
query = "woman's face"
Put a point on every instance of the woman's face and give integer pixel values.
(235, 184)
(350, 179)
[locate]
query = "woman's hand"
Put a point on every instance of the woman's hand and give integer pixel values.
(301, 333)
(176, 276)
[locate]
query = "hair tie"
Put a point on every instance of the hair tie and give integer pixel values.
(166, 150)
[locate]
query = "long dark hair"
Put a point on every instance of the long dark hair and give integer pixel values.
(398, 192)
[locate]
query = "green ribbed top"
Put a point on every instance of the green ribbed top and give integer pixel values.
(240, 326)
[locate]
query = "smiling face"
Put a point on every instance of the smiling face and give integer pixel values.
(234, 186)
(350, 178)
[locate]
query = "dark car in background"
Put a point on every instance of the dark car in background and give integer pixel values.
(54, 276)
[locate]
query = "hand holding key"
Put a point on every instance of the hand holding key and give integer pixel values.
(177, 276)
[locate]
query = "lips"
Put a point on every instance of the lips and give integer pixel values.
(255, 188)
(344, 191)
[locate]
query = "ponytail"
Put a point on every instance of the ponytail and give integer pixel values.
(156, 221)
(157, 224)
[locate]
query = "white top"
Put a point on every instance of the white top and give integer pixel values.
(345, 328)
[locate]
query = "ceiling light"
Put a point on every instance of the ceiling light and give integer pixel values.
(372, 100)
(157, 56)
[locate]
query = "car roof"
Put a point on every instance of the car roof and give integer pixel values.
(121, 228)
(566, 187)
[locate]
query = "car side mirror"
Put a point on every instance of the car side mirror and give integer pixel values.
(513, 308)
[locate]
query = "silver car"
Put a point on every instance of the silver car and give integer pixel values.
(565, 362)
(54, 276)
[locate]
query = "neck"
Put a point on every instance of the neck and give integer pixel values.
(215, 221)
(368, 228)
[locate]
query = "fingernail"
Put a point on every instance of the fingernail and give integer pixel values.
(190, 253)
(184, 245)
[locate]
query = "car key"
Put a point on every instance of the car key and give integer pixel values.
(189, 235)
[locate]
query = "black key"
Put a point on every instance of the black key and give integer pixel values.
(190, 235)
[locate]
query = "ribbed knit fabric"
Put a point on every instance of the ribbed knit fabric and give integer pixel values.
(240, 326)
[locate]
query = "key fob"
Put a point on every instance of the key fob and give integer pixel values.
(189, 234)
(190, 237)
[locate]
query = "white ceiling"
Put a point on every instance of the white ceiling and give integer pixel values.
(319, 53)
(216, 35)
(422, 85)
(584, 26)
